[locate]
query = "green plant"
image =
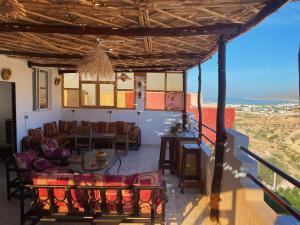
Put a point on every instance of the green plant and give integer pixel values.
(175, 128)
(290, 195)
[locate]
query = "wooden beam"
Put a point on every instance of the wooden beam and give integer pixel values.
(120, 67)
(42, 55)
(111, 56)
(221, 133)
(33, 64)
(122, 31)
(199, 102)
(184, 113)
(63, 71)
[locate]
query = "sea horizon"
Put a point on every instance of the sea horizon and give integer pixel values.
(248, 101)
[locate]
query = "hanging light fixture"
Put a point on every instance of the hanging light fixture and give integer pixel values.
(96, 64)
(12, 8)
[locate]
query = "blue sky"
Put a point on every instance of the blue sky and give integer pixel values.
(261, 62)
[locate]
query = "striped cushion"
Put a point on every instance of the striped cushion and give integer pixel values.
(50, 129)
(94, 195)
(36, 133)
(66, 126)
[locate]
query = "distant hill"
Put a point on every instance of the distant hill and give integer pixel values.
(292, 96)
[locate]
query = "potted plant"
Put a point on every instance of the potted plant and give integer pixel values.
(177, 127)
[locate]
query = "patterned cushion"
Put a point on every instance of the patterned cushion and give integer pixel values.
(111, 195)
(94, 195)
(62, 138)
(36, 133)
(95, 126)
(66, 126)
(121, 127)
(62, 152)
(50, 129)
(111, 127)
(42, 164)
(50, 147)
(85, 123)
(134, 134)
(24, 160)
(102, 127)
(59, 193)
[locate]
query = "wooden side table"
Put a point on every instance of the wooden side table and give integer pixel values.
(190, 181)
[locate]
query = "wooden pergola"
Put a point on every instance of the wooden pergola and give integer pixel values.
(140, 35)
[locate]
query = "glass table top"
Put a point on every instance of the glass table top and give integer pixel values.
(88, 162)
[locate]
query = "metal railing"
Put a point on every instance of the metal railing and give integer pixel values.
(272, 194)
(202, 134)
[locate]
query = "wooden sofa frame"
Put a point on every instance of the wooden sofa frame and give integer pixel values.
(35, 214)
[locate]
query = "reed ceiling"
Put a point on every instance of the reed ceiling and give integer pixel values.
(136, 52)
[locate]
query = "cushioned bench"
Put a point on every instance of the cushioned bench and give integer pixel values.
(96, 198)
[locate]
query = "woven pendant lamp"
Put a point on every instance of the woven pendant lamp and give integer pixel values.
(12, 9)
(96, 64)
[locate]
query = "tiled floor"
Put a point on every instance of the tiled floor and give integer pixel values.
(190, 208)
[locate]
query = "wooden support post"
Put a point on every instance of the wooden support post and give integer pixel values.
(221, 134)
(199, 102)
(184, 114)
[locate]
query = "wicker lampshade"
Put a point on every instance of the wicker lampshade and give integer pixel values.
(96, 64)
(12, 8)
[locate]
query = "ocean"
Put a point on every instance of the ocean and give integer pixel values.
(240, 101)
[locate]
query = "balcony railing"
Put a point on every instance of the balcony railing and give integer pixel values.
(204, 135)
(268, 191)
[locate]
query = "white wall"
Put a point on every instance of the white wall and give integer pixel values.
(5, 109)
(152, 123)
(22, 77)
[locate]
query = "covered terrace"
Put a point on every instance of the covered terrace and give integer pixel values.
(151, 45)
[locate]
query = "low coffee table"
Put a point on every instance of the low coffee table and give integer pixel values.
(88, 162)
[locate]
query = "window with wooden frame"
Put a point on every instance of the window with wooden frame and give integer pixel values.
(88, 92)
(125, 90)
(164, 91)
(41, 89)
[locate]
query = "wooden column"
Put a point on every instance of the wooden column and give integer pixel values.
(199, 102)
(221, 134)
(184, 114)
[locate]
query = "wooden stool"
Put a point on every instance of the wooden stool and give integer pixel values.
(163, 162)
(193, 181)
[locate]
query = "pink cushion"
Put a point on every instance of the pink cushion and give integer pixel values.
(24, 160)
(42, 164)
(62, 152)
(49, 147)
